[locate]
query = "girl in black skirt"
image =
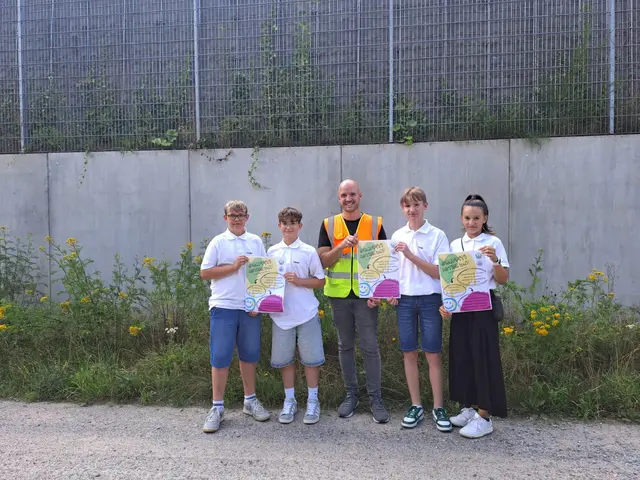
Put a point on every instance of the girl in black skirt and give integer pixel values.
(476, 381)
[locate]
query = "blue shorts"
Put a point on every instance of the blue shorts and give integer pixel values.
(422, 310)
(229, 328)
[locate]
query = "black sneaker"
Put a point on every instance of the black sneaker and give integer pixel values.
(442, 420)
(349, 405)
(380, 414)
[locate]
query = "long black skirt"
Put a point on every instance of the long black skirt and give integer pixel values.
(475, 368)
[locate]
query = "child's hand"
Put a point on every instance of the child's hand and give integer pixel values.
(240, 261)
(446, 315)
(292, 278)
(253, 314)
(490, 252)
(392, 301)
(404, 249)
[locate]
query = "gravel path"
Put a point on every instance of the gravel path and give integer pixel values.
(65, 441)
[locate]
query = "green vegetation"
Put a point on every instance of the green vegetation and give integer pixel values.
(286, 98)
(143, 337)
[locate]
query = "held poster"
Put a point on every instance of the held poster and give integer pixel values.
(264, 286)
(464, 278)
(378, 269)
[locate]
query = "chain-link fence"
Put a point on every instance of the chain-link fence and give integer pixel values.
(88, 75)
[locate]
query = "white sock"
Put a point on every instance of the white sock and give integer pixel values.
(313, 394)
(249, 398)
(219, 404)
(414, 405)
(289, 393)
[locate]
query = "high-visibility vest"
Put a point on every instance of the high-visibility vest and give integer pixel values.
(342, 277)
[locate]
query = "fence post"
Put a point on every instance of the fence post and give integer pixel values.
(196, 64)
(612, 64)
(22, 86)
(390, 71)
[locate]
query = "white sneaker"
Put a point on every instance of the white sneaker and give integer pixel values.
(256, 410)
(478, 427)
(213, 421)
(288, 412)
(313, 413)
(463, 418)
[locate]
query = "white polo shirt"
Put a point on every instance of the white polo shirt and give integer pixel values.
(229, 292)
(478, 242)
(426, 242)
(300, 304)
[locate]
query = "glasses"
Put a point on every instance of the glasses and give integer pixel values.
(290, 225)
(233, 216)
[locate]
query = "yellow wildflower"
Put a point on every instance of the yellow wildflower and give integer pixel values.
(134, 331)
(537, 324)
(2, 312)
(567, 316)
(41, 248)
(555, 323)
(148, 261)
(44, 299)
(71, 241)
(122, 295)
(29, 292)
(393, 339)
(592, 277)
(553, 308)
(84, 300)
(189, 245)
(64, 306)
(48, 239)
(533, 314)
(507, 331)
(2, 326)
(542, 331)
(556, 315)
(198, 259)
(321, 313)
(547, 318)
(265, 234)
(3, 227)
(611, 294)
(544, 310)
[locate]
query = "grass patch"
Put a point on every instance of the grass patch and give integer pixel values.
(144, 338)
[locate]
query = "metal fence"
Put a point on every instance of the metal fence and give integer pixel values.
(89, 75)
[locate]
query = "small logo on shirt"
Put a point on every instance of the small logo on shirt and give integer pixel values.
(295, 261)
(281, 262)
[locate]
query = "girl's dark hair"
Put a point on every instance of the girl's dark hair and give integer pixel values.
(475, 200)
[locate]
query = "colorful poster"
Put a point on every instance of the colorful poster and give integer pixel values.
(378, 269)
(464, 278)
(265, 286)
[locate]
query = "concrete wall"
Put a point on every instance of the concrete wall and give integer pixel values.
(576, 198)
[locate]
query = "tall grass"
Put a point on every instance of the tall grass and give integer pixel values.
(144, 338)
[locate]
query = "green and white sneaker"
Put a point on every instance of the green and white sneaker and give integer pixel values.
(413, 417)
(442, 420)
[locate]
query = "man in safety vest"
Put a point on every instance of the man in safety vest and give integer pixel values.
(338, 247)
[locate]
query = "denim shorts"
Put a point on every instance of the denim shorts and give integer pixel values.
(422, 311)
(308, 338)
(230, 328)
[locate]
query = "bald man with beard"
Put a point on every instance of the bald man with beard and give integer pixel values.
(337, 247)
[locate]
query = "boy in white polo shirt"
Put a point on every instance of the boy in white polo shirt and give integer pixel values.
(230, 325)
(299, 323)
(419, 304)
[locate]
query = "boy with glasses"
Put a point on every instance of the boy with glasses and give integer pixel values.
(299, 323)
(230, 325)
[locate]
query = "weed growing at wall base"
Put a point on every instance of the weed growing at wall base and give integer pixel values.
(143, 337)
